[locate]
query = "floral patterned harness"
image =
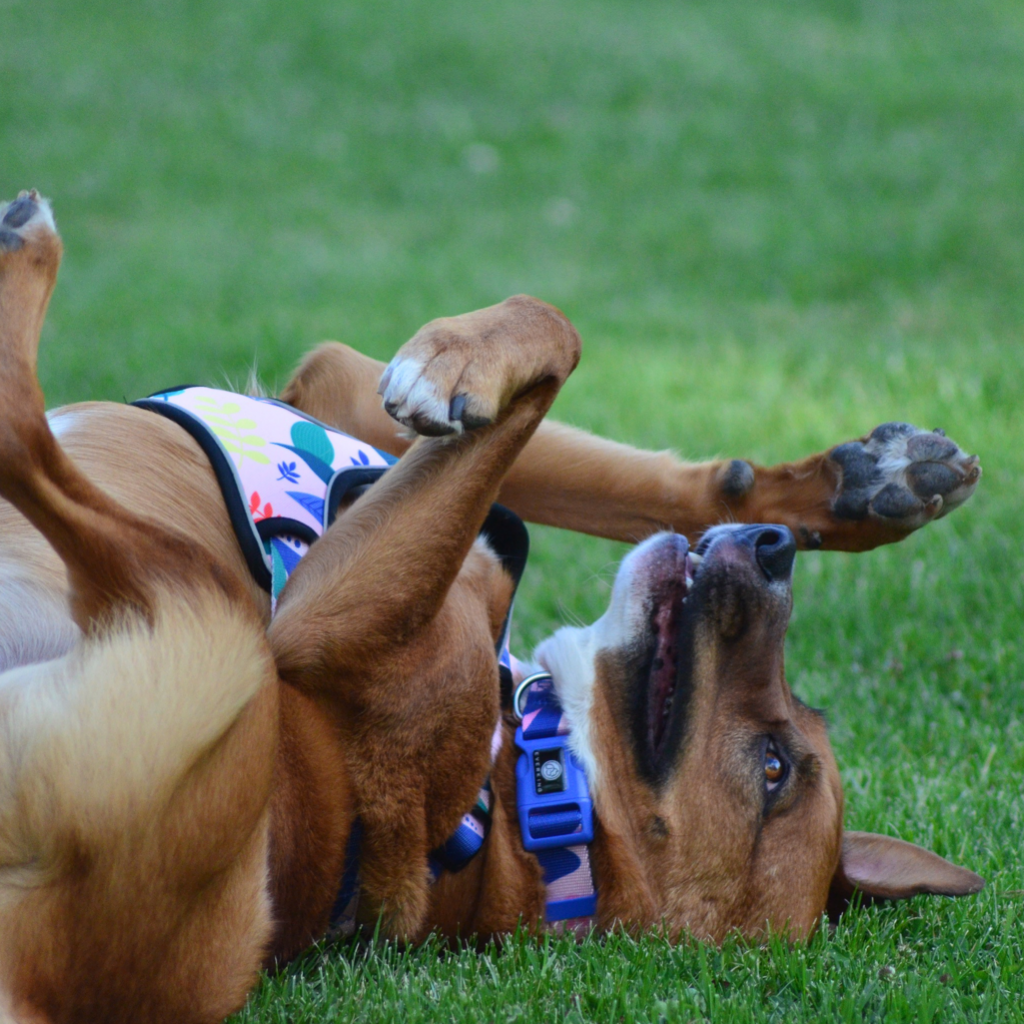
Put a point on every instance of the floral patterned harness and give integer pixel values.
(283, 474)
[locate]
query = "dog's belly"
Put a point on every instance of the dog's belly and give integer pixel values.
(153, 468)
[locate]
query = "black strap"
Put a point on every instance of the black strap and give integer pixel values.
(225, 474)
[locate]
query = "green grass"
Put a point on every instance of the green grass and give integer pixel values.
(776, 225)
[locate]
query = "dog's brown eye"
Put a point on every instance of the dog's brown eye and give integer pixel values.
(774, 769)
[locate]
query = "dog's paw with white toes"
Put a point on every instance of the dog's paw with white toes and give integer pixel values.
(418, 401)
(23, 217)
(459, 373)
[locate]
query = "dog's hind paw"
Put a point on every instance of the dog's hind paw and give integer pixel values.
(23, 217)
(902, 476)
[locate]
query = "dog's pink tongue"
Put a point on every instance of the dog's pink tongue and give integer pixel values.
(663, 671)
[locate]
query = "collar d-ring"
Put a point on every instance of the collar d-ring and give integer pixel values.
(522, 688)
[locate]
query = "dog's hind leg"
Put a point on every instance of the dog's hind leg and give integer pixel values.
(371, 620)
(113, 558)
(135, 772)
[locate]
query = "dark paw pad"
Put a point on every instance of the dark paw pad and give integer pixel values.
(21, 211)
(931, 447)
(737, 478)
(904, 475)
(14, 216)
(9, 240)
(852, 504)
(891, 431)
(860, 468)
(927, 479)
(895, 502)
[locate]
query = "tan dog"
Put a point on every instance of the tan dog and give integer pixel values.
(179, 774)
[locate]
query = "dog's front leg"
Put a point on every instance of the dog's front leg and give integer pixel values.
(372, 623)
(853, 497)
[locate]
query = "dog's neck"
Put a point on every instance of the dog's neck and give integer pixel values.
(504, 886)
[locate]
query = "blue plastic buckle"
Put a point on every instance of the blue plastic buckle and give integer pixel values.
(552, 795)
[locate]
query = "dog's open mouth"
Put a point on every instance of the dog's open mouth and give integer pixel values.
(669, 662)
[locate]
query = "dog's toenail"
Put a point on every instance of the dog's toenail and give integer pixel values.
(457, 408)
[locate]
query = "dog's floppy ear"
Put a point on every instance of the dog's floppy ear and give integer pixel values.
(883, 868)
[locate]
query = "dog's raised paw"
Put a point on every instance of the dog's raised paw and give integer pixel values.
(418, 393)
(460, 373)
(22, 217)
(903, 475)
(416, 400)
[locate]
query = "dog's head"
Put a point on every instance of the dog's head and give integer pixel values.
(718, 798)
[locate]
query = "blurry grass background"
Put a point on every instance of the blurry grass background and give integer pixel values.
(776, 225)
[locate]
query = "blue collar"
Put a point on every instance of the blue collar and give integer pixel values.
(556, 814)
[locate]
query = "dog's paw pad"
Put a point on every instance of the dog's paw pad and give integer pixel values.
(903, 475)
(24, 215)
(736, 478)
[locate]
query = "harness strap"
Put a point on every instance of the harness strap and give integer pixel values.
(282, 473)
(468, 839)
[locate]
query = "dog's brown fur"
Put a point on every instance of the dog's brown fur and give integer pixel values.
(176, 791)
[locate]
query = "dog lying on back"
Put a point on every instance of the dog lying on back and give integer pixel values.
(180, 773)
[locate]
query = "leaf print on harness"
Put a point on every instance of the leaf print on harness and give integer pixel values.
(233, 431)
(312, 444)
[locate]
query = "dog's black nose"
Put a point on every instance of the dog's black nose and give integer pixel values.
(774, 549)
(772, 546)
